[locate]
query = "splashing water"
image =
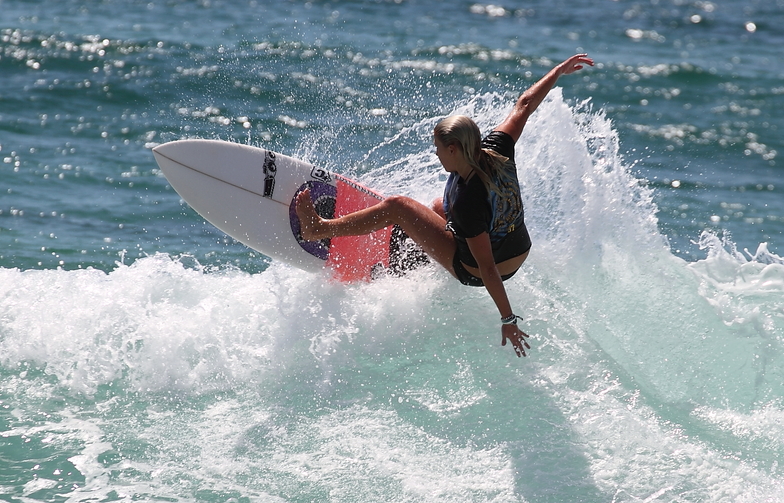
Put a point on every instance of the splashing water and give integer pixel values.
(165, 379)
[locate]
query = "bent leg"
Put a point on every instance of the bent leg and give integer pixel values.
(421, 223)
(438, 206)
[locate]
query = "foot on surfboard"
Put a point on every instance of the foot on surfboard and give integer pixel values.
(309, 220)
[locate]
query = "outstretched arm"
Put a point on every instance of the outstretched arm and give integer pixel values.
(482, 250)
(534, 95)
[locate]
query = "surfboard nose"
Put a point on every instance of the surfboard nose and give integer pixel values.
(170, 149)
(166, 150)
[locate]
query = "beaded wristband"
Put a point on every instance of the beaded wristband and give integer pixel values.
(511, 319)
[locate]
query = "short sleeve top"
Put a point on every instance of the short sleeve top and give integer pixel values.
(471, 210)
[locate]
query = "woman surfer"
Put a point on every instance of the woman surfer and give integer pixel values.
(476, 231)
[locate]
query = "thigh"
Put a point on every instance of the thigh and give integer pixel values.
(426, 228)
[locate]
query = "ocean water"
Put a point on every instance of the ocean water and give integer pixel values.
(145, 356)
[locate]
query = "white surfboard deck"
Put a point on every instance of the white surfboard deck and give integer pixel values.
(248, 193)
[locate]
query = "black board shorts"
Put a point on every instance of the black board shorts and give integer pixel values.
(512, 245)
(468, 279)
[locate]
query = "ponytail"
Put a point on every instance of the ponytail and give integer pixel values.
(462, 131)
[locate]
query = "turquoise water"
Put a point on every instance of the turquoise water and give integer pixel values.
(146, 356)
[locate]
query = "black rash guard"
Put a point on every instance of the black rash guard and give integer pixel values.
(471, 210)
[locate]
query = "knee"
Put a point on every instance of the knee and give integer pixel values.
(403, 208)
(438, 206)
(398, 202)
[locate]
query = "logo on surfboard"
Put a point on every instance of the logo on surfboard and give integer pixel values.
(270, 170)
(320, 174)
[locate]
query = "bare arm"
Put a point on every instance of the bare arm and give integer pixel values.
(482, 251)
(534, 95)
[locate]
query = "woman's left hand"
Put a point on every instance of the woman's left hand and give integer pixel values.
(574, 63)
(513, 334)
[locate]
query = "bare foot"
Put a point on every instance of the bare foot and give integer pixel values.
(311, 223)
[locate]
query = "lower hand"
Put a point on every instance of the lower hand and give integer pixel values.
(516, 336)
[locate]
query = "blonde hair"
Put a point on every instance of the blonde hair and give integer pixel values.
(462, 131)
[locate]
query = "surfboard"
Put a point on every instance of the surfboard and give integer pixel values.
(250, 194)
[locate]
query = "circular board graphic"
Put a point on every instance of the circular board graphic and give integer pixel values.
(323, 196)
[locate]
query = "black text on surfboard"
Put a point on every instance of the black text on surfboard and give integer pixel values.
(269, 173)
(320, 174)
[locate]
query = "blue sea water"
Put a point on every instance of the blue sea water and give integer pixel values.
(146, 356)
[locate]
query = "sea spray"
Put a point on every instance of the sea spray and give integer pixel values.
(648, 376)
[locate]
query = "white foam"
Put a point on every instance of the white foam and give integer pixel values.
(644, 371)
(636, 454)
